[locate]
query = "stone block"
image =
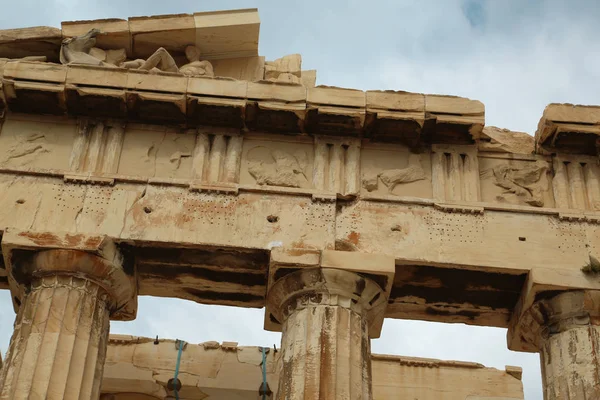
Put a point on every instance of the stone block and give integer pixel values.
(217, 101)
(114, 32)
(569, 128)
(25, 42)
(334, 110)
(227, 34)
(458, 120)
(173, 32)
(395, 116)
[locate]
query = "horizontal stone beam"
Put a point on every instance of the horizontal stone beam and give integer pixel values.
(574, 128)
(215, 248)
(199, 211)
(138, 367)
(218, 35)
(409, 118)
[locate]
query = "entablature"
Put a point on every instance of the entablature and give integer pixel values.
(200, 178)
(162, 97)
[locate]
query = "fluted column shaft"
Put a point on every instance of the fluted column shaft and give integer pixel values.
(325, 342)
(325, 355)
(565, 329)
(58, 347)
(571, 364)
(570, 347)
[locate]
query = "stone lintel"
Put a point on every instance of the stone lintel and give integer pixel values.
(276, 106)
(335, 111)
(458, 120)
(525, 329)
(173, 32)
(36, 41)
(29, 255)
(228, 34)
(81, 90)
(378, 268)
(218, 34)
(395, 116)
(569, 128)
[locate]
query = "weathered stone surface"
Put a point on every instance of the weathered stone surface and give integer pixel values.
(285, 69)
(25, 42)
(326, 315)
(59, 344)
(503, 140)
(564, 328)
(570, 128)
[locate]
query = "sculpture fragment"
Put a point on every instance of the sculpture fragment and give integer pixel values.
(285, 69)
(524, 182)
(393, 177)
(282, 169)
(82, 50)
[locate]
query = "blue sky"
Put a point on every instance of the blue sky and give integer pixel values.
(515, 56)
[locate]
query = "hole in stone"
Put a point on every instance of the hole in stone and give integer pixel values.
(20, 201)
(522, 238)
(272, 218)
(17, 301)
(147, 210)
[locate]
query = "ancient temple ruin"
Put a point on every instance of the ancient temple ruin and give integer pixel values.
(162, 156)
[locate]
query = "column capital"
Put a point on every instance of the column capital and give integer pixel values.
(356, 281)
(29, 256)
(553, 301)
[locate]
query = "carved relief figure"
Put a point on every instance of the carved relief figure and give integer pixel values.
(393, 177)
(279, 168)
(163, 61)
(82, 50)
(25, 149)
(525, 182)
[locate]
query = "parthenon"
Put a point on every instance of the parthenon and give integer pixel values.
(163, 156)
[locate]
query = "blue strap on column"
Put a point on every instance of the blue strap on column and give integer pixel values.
(264, 373)
(177, 368)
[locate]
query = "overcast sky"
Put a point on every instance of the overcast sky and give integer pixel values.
(515, 56)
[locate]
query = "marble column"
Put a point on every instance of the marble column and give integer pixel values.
(326, 314)
(570, 345)
(58, 347)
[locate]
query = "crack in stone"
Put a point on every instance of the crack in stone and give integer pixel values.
(81, 208)
(35, 214)
(130, 209)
